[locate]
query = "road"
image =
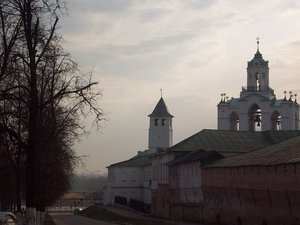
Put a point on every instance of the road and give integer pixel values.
(76, 220)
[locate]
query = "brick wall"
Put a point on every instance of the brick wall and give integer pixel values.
(160, 201)
(181, 198)
(257, 193)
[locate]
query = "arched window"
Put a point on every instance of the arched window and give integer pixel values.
(234, 121)
(296, 121)
(163, 122)
(254, 115)
(257, 77)
(156, 121)
(275, 121)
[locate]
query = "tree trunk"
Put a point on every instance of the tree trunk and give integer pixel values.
(40, 218)
(31, 150)
(30, 216)
(18, 190)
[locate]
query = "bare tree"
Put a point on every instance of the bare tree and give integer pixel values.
(43, 95)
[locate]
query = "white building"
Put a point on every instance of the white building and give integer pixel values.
(130, 181)
(160, 128)
(257, 108)
(169, 178)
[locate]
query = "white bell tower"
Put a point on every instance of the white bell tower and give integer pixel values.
(257, 108)
(160, 128)
(258, 74)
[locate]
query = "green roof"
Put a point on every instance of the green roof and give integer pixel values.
(286, 152)
(226, 141)
(204, 157)
(141, 159)
(278, 136)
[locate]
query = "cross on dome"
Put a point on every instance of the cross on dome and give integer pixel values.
(257, 42)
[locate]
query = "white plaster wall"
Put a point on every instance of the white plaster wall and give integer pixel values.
(160, 136)
(126, 182)
(129, 193)
(127, 176)
(263, 78)
(247, 103)
(107, 195)
(287, 110)
(147, 195)
(224, 112)
(190, 182)
(160, 171)
(263, 98)
(147, 185)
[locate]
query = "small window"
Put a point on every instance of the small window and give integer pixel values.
(163, 122)
(156, 122)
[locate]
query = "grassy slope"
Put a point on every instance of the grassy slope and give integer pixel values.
(48, 220)
(103, 214)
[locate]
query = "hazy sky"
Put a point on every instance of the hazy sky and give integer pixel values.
(192, 49)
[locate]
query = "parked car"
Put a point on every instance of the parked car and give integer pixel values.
(77, 210)
(8, 218)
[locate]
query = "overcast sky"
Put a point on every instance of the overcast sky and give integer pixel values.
(192, 49)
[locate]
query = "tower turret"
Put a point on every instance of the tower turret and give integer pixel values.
(160, 128)
(258, 74)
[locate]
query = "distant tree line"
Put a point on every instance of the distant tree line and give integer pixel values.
(43, 96)
(88, 183)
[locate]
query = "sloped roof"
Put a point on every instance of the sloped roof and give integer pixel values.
(285, 152)
(222, 141)
(233, 101)
(161, 109)
(278, 102)
(204, 157)
(275, 137)
(141, 159)
(72, 195)
(226, 141)
(258, 57)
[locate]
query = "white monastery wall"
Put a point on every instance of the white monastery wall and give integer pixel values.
(126, 182)
(160, 170)
(190, 182)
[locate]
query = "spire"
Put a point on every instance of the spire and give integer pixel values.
(257, 55)
(161, 109)
(257, 42)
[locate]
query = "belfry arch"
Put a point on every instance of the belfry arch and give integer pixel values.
(257, 83)
(234, 121)
(254, 115)
(296, 121)
(276, 121)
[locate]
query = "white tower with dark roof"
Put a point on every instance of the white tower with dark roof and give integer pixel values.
(160, 128)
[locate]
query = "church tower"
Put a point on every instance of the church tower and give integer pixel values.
(160, 129)
(258, 75)
(257, 108)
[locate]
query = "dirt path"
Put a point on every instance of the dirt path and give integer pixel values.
(76, 220)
